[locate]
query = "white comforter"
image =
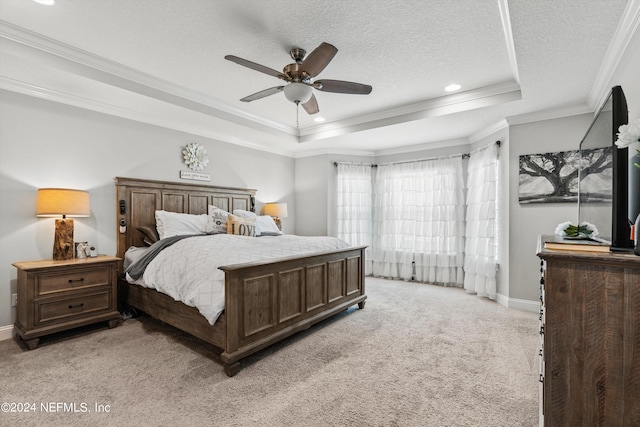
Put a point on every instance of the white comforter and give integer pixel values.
(188, 270)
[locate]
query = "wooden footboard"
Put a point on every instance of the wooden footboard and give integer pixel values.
(266, 302)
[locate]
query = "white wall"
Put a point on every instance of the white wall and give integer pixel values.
(45, 144)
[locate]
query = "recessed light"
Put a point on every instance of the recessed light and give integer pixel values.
(452, 87)
(319, 119)
(46, 2)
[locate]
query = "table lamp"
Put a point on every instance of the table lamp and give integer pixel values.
(54, 202)
(277, 211)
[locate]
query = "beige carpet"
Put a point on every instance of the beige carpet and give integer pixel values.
(417, 355)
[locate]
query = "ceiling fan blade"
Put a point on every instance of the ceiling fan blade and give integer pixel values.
(262, 94)
(315, 62)
(311, 106)
(339, 86)
(254, 66)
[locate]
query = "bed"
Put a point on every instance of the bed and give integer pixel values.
(264, 301)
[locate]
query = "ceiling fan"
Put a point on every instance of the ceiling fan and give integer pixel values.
(300, 78)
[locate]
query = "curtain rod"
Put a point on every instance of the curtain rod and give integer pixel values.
(464, 156)
(373, 165)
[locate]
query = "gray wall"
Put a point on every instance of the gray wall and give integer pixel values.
(311, 177)
(527, 221)
(45, 144)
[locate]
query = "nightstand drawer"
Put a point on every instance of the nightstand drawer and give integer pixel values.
(72, 279)
(66, 309)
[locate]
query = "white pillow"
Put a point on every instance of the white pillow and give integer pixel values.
(245, 214)
(265, 226)
(175, 224)
(217, 221)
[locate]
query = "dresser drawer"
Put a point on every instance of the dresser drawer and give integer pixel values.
(57, 310)
(48, 283)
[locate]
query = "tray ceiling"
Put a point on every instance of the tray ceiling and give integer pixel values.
(162, 62)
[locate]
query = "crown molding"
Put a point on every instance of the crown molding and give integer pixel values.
(505, 18)
(617, 49)
(488, 131)
(113, 110)
(463, 101)
(557, 113)
(333, 151)
(39, 48)
(423, 147)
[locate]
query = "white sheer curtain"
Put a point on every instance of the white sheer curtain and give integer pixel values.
(419, 221)
(354, 207)
(481, 228)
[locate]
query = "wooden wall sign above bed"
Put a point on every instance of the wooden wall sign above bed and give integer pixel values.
(264, 301)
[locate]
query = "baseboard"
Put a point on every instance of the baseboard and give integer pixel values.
(525, 304)
(502, 300)
(6, 332)
(519, 304)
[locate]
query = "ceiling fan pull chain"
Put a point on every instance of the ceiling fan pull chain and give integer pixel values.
(297, 114)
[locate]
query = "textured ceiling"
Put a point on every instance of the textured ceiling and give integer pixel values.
(162, 62)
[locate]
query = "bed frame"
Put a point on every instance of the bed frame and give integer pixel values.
(265, 302)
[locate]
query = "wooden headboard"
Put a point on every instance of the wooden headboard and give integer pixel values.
(138, 199)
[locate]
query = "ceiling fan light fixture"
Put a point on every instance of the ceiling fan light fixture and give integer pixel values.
(298, 92)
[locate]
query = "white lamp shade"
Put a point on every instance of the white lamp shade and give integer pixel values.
(62, 201)
(276, 210)
(298, 92)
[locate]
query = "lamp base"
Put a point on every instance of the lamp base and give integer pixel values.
(63, 240)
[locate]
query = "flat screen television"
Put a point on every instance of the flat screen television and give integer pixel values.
(605, 197)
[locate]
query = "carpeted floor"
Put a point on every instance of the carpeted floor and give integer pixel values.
(417, 355)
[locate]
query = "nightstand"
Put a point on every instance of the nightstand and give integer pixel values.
(54, 296)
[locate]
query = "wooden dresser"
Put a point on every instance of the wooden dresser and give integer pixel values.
(57, 295)
(590, 338)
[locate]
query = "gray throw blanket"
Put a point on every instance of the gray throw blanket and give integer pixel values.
(136, 269)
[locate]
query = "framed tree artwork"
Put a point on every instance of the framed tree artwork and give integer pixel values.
(553, 177)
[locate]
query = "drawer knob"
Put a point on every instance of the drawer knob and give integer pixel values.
(76, 305)
(76, 280)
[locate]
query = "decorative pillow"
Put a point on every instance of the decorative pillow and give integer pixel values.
(150, 234)
(176, 224)
(266, 226)
(217, 221)
(241, 226)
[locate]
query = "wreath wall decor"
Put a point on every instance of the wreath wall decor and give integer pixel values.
(195, 156)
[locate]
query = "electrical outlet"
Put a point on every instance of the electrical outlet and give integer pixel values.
(14, 300)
